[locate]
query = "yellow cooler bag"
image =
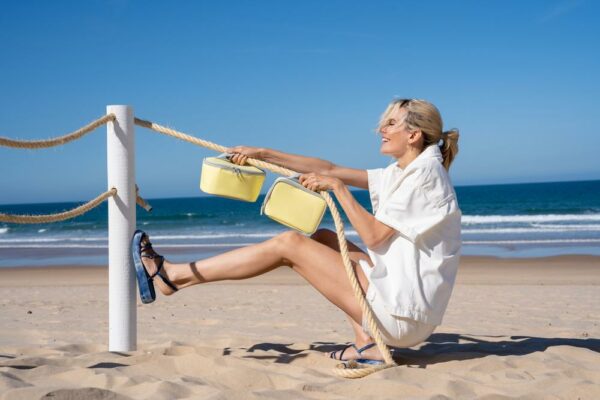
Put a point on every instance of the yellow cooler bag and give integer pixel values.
(293, 205)
(224, 178)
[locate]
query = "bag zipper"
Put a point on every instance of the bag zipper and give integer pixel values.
(237, 170)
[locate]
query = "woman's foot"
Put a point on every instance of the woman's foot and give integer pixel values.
(365, 353)
(156, 266)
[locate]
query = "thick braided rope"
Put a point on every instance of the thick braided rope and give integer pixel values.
(38, 219)
(210, 145)
(57, 141)
(358, 293)
(339, 225)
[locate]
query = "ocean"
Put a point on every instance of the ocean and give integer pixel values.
(511, 220)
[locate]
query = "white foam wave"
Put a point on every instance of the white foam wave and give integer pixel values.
(540, 229)
(53, 246)
(3, 230)
(214, 236)
(206, 245)
(234, 245)
(91, 246)
(51, 240)
(491, 219)
(30, 240)
(567, 227)
(164, 239)
(267, 234)
(544, 241)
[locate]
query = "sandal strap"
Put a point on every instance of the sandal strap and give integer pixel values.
(358, 351)
(364, 348)
(144, 251)
(164, 278)
(340, 358)
(146, 246)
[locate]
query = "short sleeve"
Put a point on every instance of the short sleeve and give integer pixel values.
(375, 177)
(410, 212)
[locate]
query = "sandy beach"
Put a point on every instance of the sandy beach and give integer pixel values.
(514, 328)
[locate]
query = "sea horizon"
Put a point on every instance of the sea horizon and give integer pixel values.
(265, 189)
(509, 220)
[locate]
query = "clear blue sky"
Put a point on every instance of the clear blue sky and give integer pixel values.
(519, 79)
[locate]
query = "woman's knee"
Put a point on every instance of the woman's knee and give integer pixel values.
(290, 237)
(288, 242)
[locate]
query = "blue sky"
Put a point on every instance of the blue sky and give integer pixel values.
(519, 79)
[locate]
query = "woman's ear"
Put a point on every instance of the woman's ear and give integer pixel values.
(415, 136)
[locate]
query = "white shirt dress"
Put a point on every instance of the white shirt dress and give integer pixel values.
(414, 271)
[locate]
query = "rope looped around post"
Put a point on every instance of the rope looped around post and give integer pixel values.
(351, 370)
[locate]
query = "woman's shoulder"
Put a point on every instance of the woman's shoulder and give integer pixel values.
(432, 170)
(423, 172)
(432, 178)
(426, 174)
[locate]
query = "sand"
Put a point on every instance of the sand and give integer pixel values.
(525, 328)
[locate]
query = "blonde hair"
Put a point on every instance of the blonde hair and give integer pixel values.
(424, 116)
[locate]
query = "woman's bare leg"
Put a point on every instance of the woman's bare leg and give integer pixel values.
(318, 263)
(330, 239)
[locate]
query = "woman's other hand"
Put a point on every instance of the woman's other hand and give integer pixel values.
(316, 182)
(242, 153)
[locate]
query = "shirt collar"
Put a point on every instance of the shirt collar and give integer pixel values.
(431, 152)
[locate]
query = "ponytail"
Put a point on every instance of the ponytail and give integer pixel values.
(449, 147)
(423, 115)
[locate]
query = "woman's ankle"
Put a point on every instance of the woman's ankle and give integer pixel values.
(173, 273)
(362, 341)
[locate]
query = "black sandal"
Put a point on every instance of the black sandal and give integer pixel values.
(360, 359)
(145, 280)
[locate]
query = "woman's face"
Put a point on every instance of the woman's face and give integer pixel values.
(394, 134)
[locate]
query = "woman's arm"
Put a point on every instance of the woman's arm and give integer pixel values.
(294, 162)
(350, 176)
(372, 232)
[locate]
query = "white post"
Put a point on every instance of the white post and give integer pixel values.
(122, 332)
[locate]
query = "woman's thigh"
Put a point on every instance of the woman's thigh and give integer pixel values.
(330, 239)
(322, 266)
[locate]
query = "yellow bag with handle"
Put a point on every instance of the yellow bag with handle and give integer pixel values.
(293, 205)
(223, 178)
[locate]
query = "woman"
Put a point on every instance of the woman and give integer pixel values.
(413, 238)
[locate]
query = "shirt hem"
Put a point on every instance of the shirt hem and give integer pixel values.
(417, 315)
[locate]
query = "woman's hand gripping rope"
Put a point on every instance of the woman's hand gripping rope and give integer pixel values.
(242, 153)
(318, 182)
